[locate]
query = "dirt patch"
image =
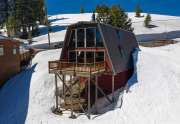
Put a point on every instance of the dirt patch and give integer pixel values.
(157, 43)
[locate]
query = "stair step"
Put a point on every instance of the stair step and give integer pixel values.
(74, 100)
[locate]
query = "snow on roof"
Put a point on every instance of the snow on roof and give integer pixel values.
(3, 37)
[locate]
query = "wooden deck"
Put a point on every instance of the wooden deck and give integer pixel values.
(78, 69)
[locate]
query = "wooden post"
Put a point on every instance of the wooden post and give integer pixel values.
(71, 97)
(89, 96)
(113, 97)
(85, 41)
(63, 85)
(71, 101)
(56, 91)
(96, 90)
(85, 58)
(76, 45)
(94, 60)
(49, 39)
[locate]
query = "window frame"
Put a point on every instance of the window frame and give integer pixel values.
(95, 29)
(2, 50)
(76, 38)
(14, 50)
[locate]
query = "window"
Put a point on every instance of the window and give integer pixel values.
(90, 57)
(90, 37)
(80, 57)
(80, 37)
(99, 56)
(72, 40)
(14, 50)
(99, 42)
(1, 50)
(72, 56)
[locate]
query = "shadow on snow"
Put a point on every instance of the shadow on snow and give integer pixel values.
(105, 106)
(54, 28)
(14, 96)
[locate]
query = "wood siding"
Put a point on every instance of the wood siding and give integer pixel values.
(9, 62)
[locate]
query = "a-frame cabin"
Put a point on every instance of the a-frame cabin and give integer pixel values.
(97, 58)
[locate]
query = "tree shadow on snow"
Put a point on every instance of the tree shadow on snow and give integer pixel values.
(57, 19)
(14, 96)
(54, 28)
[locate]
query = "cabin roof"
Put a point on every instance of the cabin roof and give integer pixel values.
(2, 37)
(7, 39)
(117, 42)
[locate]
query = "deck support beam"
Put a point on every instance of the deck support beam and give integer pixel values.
(89, 96)
(63, 81)
(71, 97)
(96, 88)
(56, 91)
(113, 96)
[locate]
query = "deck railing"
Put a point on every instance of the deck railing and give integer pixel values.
(61, 65)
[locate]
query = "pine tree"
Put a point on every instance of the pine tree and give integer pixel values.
(103, 14)
(138, 11)
(10, 25)
(82, 9)
(114, 16)
(147, 20)
(26, 14)
(120, 19)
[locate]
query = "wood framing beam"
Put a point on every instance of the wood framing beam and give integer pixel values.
(56, 90)
(89, 97)
(113, 96)
(64, 79)
(96, 89)
(71, 97)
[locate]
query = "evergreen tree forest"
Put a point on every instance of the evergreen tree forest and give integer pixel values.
(25, 17)
(114, 16)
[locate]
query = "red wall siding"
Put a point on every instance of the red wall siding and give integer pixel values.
(105, 81)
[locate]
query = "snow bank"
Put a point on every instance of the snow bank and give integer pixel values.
(153, 99)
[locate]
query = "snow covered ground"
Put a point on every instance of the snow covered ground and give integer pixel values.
(59, 24)
(153, 99)
(162, 27)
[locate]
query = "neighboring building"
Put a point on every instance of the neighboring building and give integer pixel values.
(98, 57)
(11, 58)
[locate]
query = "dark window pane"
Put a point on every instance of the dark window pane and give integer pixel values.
(72, 40)
(72, 56)
(80, 56)
(90, 37)
(90, 57)
(99, 42)
(99, 56)
(80, 37)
